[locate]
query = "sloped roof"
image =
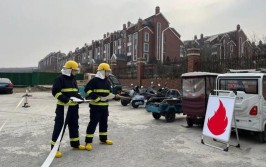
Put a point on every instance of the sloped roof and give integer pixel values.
(213, 39)
(119, 57)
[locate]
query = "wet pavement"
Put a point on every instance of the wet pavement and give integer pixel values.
(139, 140)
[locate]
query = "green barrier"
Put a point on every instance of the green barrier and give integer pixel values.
(34, 78)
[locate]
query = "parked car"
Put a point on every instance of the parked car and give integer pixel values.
(6, 86)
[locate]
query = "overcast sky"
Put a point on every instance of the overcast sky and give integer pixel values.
(31, 29)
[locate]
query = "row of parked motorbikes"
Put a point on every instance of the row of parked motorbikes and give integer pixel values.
(163, 102)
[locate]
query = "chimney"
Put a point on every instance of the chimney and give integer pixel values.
(139, 23)
(201, 36)
(108, 34)
(124, 26)
(157, 10)
(104, 36)
(128, 24)
(195, 37)
(238, 27)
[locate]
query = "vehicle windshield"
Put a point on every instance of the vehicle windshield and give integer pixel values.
(193, 87)
(173, 93)
(249, 86)
(4, 80)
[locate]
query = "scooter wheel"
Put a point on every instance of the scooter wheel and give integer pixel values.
(124, 102)
(156, 115)
(134, 105)
(190, 122)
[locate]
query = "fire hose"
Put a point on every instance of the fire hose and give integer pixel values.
(51, 155)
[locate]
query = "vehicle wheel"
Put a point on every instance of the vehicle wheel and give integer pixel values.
(124, 102)
(190, 122)
(134, 105)
(156, 115)
(170, 116)
(262, 135)
(11, 91)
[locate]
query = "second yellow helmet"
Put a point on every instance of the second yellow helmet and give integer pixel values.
(104, 66)
(71, 64)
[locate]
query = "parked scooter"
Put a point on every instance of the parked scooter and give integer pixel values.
(134, 97)
(148, 92)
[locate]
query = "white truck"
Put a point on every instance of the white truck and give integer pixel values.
(250, 104)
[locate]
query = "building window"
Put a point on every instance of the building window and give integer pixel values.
(146, 47)
(135, 38)
(146, 38)
(240, 46)
(129, 49)
(135, 45)
(146, 57)
(182, 51)
(119, 42)
(231, 48)
(128, 38)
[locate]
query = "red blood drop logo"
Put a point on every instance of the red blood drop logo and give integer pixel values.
(218, 122)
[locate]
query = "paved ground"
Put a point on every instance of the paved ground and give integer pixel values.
(139, 140)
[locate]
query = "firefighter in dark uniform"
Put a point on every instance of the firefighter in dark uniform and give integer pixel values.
(96, 89)
(65, 87)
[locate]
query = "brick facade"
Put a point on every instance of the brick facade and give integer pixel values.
(226, 45)
(149, 39)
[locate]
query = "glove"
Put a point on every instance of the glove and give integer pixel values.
(103, 99)
(109, 97)
(70, 101)
(117, 97)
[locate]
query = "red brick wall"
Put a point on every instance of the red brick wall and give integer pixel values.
(164, 24)
(193, 59)
(172, 46)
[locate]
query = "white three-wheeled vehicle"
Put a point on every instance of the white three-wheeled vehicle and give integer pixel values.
(250, 104)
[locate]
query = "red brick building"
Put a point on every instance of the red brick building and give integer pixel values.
(150, 39)
(226, 45)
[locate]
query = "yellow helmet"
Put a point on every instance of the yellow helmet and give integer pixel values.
(104, 66)
(71, 64)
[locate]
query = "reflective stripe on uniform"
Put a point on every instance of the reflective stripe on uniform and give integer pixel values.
(103, 133)
(97, 99)
(52, 143)
(99, 103)
(69, 90)
(89, 135)
(74, 139)
(88, 92)
(58, 94)
(101, 90)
